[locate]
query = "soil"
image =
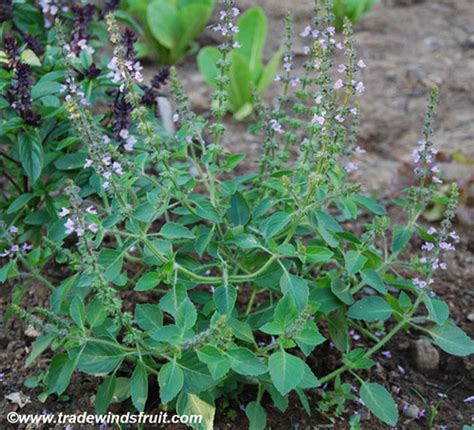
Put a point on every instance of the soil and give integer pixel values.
(408, 46)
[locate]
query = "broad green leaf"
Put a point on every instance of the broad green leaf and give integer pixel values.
(105, 394)
(148, 281)
(256, 415)
(171, 381)
(78, 312)
(274, 224)
(269, 72)
(207, 62)
(285, 312)
(95, 313)
(217, 362)
(240, 79)
(438, 310)
(31, 154)
(19, 203)
(139, 386)
(372, 308)
(317, 254)
(450, 338)
(379, 401)
(342, 291)
(224, 299)
(186, 315)
(239, 211)
(38, 347)
(163, 22)
(339, 331)
(251, 37)
(201, 405)
(71, 161)
(100, 358)
(354, 262)
(370, 204)
(59, 373)
(29, 57)
(148, 316)
(245, 362)
(309, 379)
(4, 270)
(111, 260)
(192, 20)
(297, 288)
(373, 279)
(172, 230)
(286, 371)
(401, 236)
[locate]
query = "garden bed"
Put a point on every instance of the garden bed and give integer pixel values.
(407, 49)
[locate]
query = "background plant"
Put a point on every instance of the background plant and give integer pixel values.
(171, 26)
(245, 276)
(246, 70)
(354, 10)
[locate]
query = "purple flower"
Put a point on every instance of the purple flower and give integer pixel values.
(431, 230)
(361, 64)
(318, 119)
(122, 119)
(469, 399)
(91, 210)
(276, 126)
(339, 84)
(387, 354)
(64, 212)
(341, 68)
(13, 229)
(360, 88)
(6, 10)
(306, 32)
(427, 246)
(447, 246)
(350, 167)
(419, 283)
(83, 16)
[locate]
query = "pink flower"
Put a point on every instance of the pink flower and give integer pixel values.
(130, 143)
(360, 88)
(276, 126)
(93, 228)
(64, 212)
(69, 225)
(361, 64)
(427, 246)
(339, 118)
(419, 283)
(319, 119)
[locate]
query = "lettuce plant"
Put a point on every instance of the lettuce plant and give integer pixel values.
(354, 10)
(246, 70)
(171, 26)
(178, 269)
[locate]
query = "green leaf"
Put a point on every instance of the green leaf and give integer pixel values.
(104, 395)
(192, 21)
(217, 362)
(379, 401)
(224, 298)
(171, 381)
(186, 315)
(354, 262)
(239, 211)
(112, 261)
(197, 405)
(240, 79)
(374, 280)
(297, 288)
(29, 57)
(71, 161)
(269, 72)
(317, 255)
(274, 224)
(285, 312)
(401, 236)
(19, 203)
(59, 373)
(438, 310)
(207, 63)
(31, 154)
(100, 358)
(78, 312)
(342, 291)
(95, 313)
(163, 22)
(370, 204)
(256, 415)
(148, 316)
(139, 386)
(38, 347)
(450, 338)
(172, 230)
(372, 308)
(4, 270)
(245, 362)
(251, 37)
(148, 281)
(309, 379)
(286, 371)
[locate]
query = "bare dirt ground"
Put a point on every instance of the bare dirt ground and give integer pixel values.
(408, 45)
